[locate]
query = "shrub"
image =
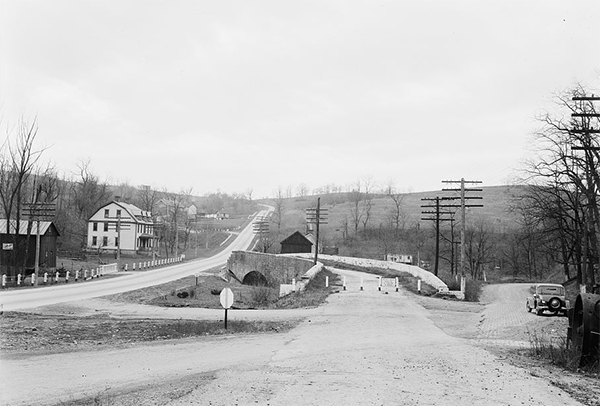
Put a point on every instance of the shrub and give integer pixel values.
(554, 349)
(260, 294)
(472, 290)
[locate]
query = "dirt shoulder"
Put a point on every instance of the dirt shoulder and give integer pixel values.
(499, 325)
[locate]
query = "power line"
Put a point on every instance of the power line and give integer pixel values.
(463, 207)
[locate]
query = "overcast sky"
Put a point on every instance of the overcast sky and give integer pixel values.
(238, 95)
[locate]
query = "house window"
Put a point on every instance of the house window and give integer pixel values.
(104, 241)
(118, 213)
(95, 226)
(106, 213)
(106, 226)
(94, 241)
(116, 241)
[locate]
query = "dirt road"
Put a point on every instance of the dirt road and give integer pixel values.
(363, 347)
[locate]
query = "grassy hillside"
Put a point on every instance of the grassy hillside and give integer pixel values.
(496, 201)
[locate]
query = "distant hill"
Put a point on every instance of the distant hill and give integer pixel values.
(496, 201)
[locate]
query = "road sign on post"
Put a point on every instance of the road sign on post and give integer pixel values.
(226, 301)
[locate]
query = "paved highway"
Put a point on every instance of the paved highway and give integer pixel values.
(30, 298)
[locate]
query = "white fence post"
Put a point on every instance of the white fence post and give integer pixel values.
(45, 278)
(327, 281)
(67, 277)
(361, 282)
(344, 283)
(4, 280)
(33, 279)
(19, 280)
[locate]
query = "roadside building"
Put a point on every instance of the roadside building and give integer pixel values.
(120, 226)
(18, 247)
(298, 243)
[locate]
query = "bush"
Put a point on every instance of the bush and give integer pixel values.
(472, 290)
(261, 294)
(554, 349)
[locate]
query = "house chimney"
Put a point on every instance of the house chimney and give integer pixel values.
(117, 198)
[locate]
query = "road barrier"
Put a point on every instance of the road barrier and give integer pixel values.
(109, 268)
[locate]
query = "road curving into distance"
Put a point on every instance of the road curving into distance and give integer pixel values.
(31, 298)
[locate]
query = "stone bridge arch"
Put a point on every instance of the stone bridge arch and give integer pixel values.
(276, 269)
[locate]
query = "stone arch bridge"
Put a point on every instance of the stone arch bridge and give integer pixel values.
(272, 269)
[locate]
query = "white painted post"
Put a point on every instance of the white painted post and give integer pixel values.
(294, 284)
(133, 267)
(56, 277)
(76, 275)
(361, 282)
(19, 280)
(327, 281)
(140, 266)
(397, 284)
(45, 278)
(379, 288)
(4, 280)
(67, 277)
(33, 279)
(84, 274)
(344, 283)
(419, 286)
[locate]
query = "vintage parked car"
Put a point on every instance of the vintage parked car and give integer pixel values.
(548, 296)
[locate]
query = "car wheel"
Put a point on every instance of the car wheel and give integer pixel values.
(554, 304)
(539, 312)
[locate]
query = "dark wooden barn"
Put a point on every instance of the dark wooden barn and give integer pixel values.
(297, 243)
(18, 248)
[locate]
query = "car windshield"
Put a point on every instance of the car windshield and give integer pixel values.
(551, 290)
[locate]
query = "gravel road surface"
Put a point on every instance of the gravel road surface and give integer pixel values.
(361, 348)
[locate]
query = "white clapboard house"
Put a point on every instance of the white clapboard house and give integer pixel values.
(121, 226)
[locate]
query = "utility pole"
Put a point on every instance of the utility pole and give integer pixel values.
(463, 214)
(316, 216)
(260, 227)
(118, 236)
(592, 220)
(438, 218)
(38, 212)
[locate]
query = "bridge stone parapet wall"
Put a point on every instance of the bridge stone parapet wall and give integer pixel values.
(277, 269)
(417, 272)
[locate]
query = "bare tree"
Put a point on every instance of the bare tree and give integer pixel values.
(147, 198)
(356, 196)
(397, 215)
(279, 200)
(478, 249)
(18, 158)
(568, 182)
(302, 190)
(367, 202)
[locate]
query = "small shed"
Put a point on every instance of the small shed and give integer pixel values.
(16, 246)
(297, 243)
